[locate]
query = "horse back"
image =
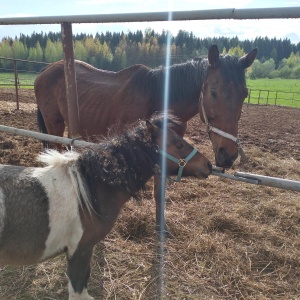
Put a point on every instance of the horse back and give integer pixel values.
(105, 99)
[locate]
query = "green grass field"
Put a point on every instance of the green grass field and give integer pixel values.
(282, 85)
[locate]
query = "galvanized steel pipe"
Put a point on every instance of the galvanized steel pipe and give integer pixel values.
(261, 180)
(44, 137)
(210, 14)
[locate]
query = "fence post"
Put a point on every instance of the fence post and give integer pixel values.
(16, 82)
(70, 80)
(249, 95)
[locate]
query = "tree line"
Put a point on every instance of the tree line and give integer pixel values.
(118, 50)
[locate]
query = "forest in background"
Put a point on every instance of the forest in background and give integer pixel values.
(277, 58)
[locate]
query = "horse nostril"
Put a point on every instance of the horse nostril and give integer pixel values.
(222, 152)
(223, 159)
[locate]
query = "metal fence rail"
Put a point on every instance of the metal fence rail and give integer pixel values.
(209, 14)
(276, 182)
(239, 176)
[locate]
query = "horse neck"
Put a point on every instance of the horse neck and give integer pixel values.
(125, 164)
(186, 82)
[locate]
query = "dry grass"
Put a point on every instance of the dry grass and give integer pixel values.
(229, 240)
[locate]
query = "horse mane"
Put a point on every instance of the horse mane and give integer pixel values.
(124, 162)
(186, 80)
(68, 160)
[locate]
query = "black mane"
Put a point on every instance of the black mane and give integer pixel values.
(186, 80)
(125, 162)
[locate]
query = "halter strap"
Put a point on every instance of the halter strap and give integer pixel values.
(219, 131)
(180, 161)
(214, 129)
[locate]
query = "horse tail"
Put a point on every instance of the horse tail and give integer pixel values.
(42, 126)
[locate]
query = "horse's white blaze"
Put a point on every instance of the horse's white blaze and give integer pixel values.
(2, 211)
(82, 296)
(64, 220)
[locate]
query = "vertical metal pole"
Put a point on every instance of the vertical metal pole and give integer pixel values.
(16, 82)
(70, 80)
(249, 96)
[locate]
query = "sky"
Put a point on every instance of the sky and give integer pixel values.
(243, 29)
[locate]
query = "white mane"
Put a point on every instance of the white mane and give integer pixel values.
(53, 158)
(68, 159)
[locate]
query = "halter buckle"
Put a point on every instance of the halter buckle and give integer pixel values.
(182, 162)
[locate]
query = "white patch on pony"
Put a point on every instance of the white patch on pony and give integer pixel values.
(75, 296)
(2, 211)
(62, 191)
(53, 158)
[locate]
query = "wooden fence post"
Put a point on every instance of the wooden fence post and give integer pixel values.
(70, 80)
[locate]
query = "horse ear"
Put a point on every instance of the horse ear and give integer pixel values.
(151, 128)
(248, 59)
(213, 56)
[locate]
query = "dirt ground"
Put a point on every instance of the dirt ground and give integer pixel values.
(231, 240)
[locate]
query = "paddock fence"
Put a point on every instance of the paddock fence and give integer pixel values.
(268, 97)
(19, 77)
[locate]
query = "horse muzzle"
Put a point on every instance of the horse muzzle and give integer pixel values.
(224, 160)
(203, 174)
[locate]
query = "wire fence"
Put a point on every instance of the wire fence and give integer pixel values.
(279, 98)
(19, 71)
(27, 80)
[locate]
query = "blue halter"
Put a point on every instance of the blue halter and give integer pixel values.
(180, 161)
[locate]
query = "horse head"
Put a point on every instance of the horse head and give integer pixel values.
(182, 159)
(221, 101)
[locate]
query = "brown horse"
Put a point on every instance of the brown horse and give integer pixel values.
(111, 99)
(72, 203)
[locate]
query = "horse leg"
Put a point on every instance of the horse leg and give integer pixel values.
(79, 273)
(55, 125)
(159, 196)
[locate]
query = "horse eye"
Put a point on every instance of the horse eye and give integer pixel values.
(179, 146)
(213, 94)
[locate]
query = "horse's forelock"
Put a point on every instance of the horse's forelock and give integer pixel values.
(232, 69)
(171, 120)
